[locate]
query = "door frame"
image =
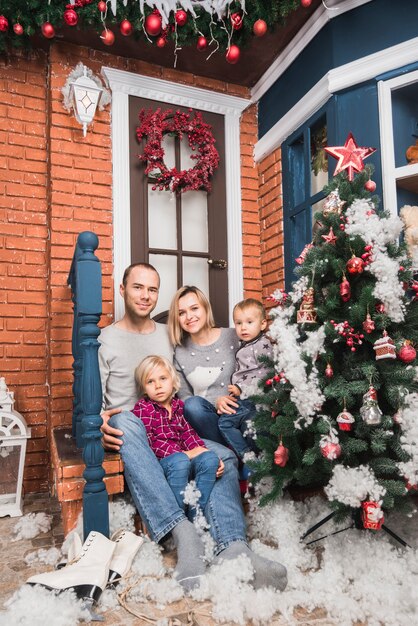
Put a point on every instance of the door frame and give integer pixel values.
(124, 84)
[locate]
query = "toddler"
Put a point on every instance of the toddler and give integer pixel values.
(250, 323)
(181, 452)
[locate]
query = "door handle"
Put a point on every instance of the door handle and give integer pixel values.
(218, 264)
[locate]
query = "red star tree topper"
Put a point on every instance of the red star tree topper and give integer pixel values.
(350, 156)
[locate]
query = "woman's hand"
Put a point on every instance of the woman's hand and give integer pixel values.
(234, 390)
(220, 469)
(111, 435)
(226, 404)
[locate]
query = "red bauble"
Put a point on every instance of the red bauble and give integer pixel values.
(236, 21)
(379, 307)
(18, 29)
(48, 30)
(233, 54)
(345, 290)
(202, 43)
(70, 17)
(331, 451)
(370, 185)
(259, 28)
(329, 372)
(281, 455)
(4, 24)
(306, 3)
(355, 265)
(101, 6)
(181, 17)
(153, 24)
(407, 353)
(108, 37)
(161, 42)
(126, 28)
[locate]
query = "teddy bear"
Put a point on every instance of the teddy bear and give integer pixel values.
(409, 215)
(412, 153)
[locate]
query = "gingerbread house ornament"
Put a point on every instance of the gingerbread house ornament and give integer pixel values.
(385, 348)
(307, 313)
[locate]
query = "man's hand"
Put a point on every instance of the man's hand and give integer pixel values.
(110, 435)
(234, 390)
(226, 404)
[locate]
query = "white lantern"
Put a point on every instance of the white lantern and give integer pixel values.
(13, 435)
(86, 95)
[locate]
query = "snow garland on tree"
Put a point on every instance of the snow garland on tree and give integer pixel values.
(352, 485)
(288, 350)
(409, 438)
(379, 232)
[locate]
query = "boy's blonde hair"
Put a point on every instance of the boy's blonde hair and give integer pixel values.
(177, 334)
(146, 367)
(248, 303)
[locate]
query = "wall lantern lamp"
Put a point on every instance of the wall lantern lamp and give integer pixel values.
(13, 436)
(84, 92)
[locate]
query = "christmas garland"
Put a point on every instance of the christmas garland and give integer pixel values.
(208, 25)
(154, 125)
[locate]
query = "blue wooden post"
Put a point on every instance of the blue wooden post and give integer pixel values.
(85, 279)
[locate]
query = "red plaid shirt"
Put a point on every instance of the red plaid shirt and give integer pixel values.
(166, 435)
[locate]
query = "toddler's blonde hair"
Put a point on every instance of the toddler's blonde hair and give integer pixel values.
(146, 367)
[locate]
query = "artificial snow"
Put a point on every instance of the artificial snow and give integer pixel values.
(31, 525)
(353, 485)
(47, 557)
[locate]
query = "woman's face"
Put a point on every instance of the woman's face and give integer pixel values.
(192, 315)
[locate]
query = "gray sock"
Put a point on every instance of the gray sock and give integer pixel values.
(190, 553)
(266, 573)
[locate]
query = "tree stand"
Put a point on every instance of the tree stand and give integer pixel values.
(356, 522)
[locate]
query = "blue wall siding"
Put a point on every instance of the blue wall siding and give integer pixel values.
(372, 27)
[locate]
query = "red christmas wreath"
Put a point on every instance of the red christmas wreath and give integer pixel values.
(154, 125)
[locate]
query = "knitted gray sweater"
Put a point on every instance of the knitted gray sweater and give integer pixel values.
(206, 370)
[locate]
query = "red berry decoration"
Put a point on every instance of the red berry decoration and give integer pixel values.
(153, 24)
(102, 6)
(48, 30)
(236, 21)
(370, 185)
(181, 17)
(306, 3)
(202, 43)
(108, 37)
(259, 28)
(407, 353)
(70, 17)
(18, 29)
(233, 54)
(4, 24)
(355, 265)
(161, 42)
(126, 28)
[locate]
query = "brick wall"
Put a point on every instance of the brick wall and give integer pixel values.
(271, 222)
(53, 184)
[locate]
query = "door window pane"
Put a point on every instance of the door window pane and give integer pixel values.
(186, 152)
(194, 225)
(162, 226)
(168, 145)
(166, 265)
(196, 272)
(319, 158)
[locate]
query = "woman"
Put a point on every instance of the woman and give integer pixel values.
(204, 356)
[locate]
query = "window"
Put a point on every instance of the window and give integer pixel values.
(305, 172)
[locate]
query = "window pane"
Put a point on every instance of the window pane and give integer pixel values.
(318, 206)
(186, 162)
(319, 158)
(299, 236)
(166, 264)
(162, 227)
(168, 145)
(196, 272)
(297, 171)
(194, 222)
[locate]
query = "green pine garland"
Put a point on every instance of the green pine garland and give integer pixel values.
(31, 14)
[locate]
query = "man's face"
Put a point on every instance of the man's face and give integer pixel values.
(141, 292)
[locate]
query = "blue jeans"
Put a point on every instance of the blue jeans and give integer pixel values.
(179, 469)
(202, 416)
(156, 502)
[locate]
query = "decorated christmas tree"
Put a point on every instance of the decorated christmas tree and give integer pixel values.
(340, 408)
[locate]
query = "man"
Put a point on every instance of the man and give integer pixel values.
(123, 345)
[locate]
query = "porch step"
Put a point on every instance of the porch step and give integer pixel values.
(68, 467)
